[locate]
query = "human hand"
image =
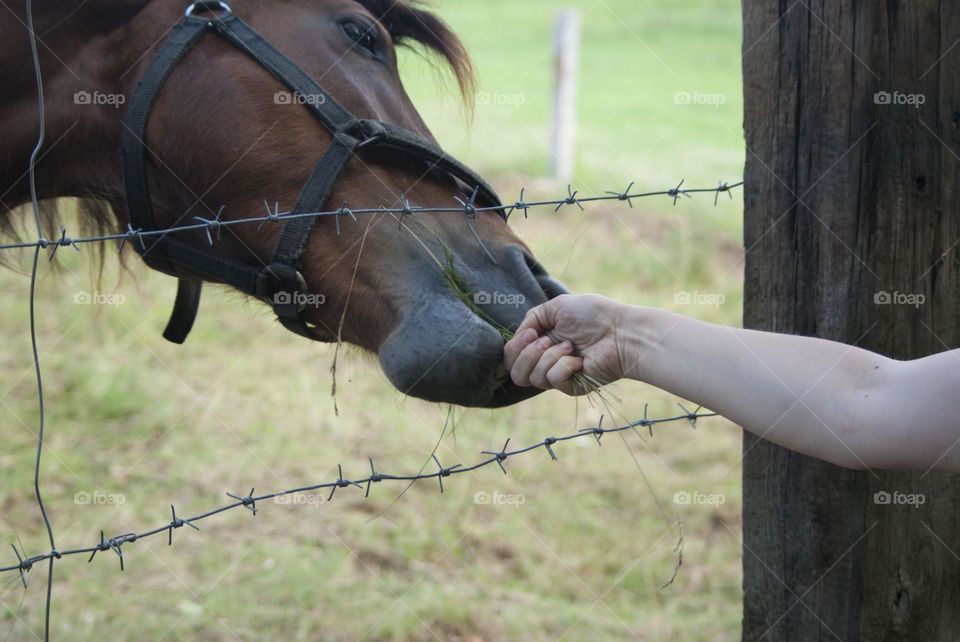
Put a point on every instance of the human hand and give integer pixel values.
(565, 336)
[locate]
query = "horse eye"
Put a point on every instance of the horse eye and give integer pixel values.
(361, 34)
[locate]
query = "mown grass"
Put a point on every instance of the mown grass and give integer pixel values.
(244, 404)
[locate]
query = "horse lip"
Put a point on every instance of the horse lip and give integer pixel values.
(510, 393)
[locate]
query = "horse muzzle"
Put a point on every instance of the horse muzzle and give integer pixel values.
(450, 350)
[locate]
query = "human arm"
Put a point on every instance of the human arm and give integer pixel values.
(832, 401)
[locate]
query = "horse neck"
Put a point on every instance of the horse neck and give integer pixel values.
(86, 53)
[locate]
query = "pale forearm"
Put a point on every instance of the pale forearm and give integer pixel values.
(795, 391)
(832, 401)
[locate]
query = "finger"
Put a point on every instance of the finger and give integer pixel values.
(543, 317)
(515, 346)
(561, 374)
(528, 360)
(538, 377)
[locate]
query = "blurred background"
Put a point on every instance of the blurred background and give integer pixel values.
(574, 549)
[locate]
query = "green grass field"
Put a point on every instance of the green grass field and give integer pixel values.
(582, 551)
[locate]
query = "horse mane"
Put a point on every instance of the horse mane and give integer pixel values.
(408, 23)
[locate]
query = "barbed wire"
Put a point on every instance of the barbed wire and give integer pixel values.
(468, 208)
(212, 228)
(250, 500)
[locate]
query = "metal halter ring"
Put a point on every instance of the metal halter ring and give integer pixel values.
(208, 6)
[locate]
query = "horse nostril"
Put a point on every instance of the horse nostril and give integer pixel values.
(550, 286)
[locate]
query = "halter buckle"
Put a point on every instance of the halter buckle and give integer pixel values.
(363, 131)
(281, 285)
(224, 8)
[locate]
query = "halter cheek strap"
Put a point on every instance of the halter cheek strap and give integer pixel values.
(280, 283)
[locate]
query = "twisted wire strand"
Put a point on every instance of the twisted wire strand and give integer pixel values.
(251, 500)
(212, 227)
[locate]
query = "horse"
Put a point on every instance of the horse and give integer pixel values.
(209, 130)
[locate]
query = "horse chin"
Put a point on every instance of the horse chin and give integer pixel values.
(510, 393)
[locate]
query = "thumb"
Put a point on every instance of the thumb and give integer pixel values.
(541, 318)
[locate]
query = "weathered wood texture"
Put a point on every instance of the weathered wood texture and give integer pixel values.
(847, 199)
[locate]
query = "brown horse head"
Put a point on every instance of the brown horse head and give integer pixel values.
(428, 293)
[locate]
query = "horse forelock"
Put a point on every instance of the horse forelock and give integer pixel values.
(409, 23)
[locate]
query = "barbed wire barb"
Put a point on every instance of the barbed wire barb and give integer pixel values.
(405, 210)
(571, 199)
(501, 456)
(597, 432)
(341, 483)
(273, 215)
(213, 224)
(64, 241)
(520, 205)
(343, 211)
(23, 565)
(676, 192)
(132, 234)
(691, 416)
(249, 502)
(548, 443)
(470, 215)
(723, 187)
(625, 195)
(175, 523)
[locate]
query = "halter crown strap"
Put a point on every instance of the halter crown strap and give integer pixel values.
(280, 283)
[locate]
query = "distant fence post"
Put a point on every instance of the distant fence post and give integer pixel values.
(567, 59)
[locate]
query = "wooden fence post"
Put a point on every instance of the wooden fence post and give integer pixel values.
(567, 59)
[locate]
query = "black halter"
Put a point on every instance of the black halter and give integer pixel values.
(164, 252)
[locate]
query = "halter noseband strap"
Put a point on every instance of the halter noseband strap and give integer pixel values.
(280, 283)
